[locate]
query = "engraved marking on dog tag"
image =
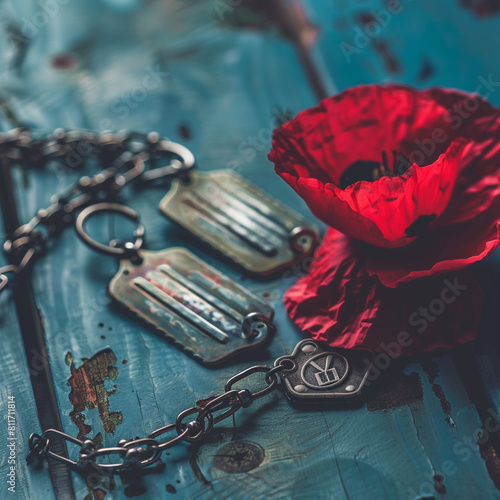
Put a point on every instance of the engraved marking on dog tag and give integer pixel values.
(240, 221)
(316, 372)
(193, 305)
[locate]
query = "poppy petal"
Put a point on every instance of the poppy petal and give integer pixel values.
(358, 124)
(389, 212)
(313, 151)
(478, 184)
(441, 250)
(338, 302)
(456, 214)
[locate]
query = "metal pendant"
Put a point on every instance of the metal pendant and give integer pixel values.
(240, 221)
(200, 310)
(317, 373)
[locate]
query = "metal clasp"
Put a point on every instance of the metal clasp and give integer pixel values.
(128, 249)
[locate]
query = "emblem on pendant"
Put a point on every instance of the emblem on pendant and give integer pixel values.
(316, 372)
(325, 370)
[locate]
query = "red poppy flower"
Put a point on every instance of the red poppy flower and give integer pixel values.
(412, 179)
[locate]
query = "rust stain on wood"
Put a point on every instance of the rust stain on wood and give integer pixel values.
(439, 484)
(88, 391)
(398, 390)
(97, 494)
(63, 61)
(482, 8)
(384, 50)
(185, 131)
(132, 479)
(432, 370)
(171, 489)
(490, 456)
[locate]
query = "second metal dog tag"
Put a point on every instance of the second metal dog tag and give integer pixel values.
(240, 221)
(191, 304)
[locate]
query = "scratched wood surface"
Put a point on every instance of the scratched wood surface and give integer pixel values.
(219, 91)
(455, 50)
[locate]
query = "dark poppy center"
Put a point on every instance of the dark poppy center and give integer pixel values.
(371, 170)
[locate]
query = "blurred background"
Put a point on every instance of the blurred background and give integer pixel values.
(199, 64)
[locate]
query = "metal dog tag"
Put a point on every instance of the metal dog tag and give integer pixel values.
(316, 372)
(239, 220)
(191, 304)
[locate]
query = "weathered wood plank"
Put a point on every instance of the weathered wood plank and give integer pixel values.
(372, 43)
(15, 369)
(418, 43)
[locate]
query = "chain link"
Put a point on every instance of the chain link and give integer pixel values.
(126, 156)
(140, 453)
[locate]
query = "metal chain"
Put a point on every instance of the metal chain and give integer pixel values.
(124, 155)
(140, 453)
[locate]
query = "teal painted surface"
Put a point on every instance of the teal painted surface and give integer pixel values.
(15, 381)
(422, 43)
(429, 43)
(224, 85)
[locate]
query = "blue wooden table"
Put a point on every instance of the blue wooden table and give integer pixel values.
(221, 74)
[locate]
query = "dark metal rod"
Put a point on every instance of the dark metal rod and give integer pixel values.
(292, 29)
